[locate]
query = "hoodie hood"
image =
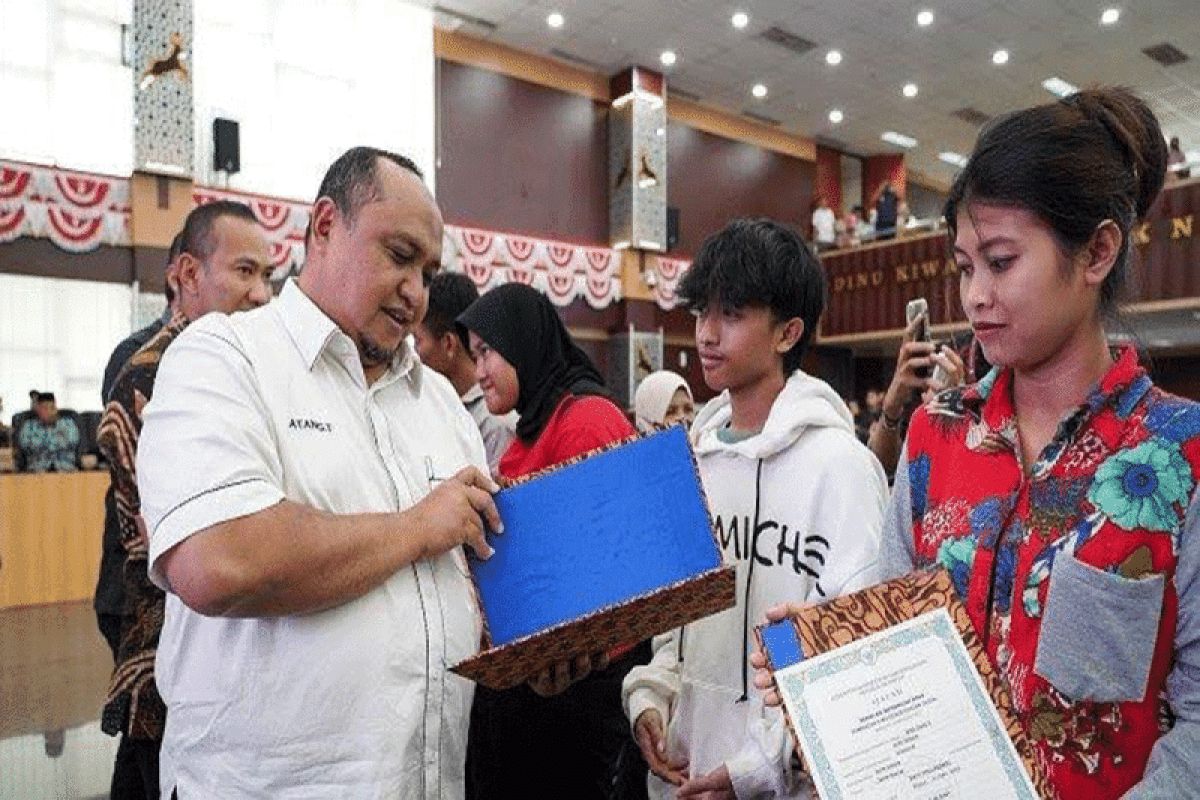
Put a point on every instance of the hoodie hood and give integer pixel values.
(804, 402)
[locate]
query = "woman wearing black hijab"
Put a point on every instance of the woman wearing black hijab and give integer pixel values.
(556, 737)
(525, 359)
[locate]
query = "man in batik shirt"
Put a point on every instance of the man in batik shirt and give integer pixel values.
(224, 266)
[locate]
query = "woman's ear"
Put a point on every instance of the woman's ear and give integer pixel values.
(1101, 252)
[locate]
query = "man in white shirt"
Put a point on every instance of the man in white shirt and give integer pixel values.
(308, 486)
(439, 346)
(824, 225)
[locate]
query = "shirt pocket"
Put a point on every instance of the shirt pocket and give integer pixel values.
(1098, 632)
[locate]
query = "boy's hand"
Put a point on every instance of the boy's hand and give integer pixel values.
(764, 681)
(648, 730)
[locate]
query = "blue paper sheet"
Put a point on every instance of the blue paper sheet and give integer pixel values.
(594, 534)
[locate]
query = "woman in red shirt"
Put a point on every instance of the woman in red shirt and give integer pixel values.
(560, 736)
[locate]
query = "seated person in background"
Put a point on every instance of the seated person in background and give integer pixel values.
(663, 399)
(441, 348)
(797, 502)
(50, 442)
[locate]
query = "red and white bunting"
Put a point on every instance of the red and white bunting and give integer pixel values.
(77, 211)
(562, 271)
(667, 273)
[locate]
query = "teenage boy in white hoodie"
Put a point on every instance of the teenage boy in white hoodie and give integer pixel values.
(797, 502)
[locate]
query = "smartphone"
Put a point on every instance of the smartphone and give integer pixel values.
(918, 308)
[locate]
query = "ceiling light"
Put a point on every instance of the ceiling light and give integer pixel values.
(1000, 57)
(1110, 16)
(1161, 343)
(555, 20)
(1058, 86)
(667, 58)
(899, 139)
(833, 58)
(836, 116)
(925, 18)
(910, 90)
(740, 20)
(956, 159)
(759, 91)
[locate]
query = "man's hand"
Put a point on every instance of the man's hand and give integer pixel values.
(716, 785)
(557, 678)
(456, 512)
(648, 730)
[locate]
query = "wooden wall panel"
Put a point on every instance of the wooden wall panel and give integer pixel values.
(712, 180)
(51, 529)
(514, 156)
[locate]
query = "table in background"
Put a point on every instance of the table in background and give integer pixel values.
(51, 532)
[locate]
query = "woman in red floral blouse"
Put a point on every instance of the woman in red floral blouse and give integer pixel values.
(1060, 490)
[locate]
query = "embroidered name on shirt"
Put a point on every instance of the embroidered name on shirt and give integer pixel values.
(310, 425)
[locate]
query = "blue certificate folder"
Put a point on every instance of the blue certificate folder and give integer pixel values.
(595, 554)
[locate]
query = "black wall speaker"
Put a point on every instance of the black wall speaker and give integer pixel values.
(672, 227)
(226, 151)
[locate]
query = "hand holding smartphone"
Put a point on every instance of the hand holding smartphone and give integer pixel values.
(918, 308)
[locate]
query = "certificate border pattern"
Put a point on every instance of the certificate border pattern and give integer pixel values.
(936, 624)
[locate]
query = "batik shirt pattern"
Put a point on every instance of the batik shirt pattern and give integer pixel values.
(1101, 512)
(134, 706)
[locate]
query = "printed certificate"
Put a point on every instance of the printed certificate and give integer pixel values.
(902, 714)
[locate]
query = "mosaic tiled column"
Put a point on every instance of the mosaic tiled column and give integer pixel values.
(637, 161)
(163, 111)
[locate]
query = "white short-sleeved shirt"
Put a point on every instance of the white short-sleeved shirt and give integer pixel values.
(355, 701)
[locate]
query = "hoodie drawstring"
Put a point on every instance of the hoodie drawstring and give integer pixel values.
(749, 578)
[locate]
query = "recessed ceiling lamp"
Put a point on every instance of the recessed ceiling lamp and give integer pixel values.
(1057, 86)
(1000, 57)
(759, 91)
(956, 159)
(1110, 16)
(555, 20)
(925, 18)
(899, 139)
(836, 116)
(833, 58)
(667, 58)
(740, 20)
(910, 90)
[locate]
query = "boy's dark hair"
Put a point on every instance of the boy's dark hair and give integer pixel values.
(45, 397)
(759, 262)
(450, 293)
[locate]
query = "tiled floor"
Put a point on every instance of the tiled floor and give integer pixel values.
(54, 667)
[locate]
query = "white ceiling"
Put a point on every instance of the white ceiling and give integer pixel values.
(883, 48)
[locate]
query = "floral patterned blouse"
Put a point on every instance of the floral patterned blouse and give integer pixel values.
(1082, 577)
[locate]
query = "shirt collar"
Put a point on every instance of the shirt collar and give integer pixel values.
(314, 333)
(1125, 383)
(473, 394)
